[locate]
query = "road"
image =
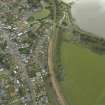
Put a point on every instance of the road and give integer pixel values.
(55, 84)
(52, 45)
(51, 50)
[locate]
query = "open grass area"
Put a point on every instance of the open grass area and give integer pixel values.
(84, 75)
(38, 15)
(41, 14)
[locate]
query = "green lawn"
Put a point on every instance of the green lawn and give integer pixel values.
(41, 14)
(84, 82)
(38, 15)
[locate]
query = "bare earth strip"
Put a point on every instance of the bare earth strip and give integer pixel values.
(55, 84)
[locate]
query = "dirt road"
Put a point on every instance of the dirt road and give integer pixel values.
(54, 82)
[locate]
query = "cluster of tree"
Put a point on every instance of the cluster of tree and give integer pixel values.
(59, 70)
(5, 59)
(31, 69)
(93, 42)
(34, 3)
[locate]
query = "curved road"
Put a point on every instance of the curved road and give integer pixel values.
(51, 48)
(55, 84)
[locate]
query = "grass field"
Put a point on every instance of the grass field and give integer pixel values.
(84, 71)
(41, 14)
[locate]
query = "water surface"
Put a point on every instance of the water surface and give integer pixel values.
(90, 15)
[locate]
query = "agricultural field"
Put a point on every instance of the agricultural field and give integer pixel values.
(84, 75)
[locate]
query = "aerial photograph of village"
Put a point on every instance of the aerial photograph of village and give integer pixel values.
(52, 52)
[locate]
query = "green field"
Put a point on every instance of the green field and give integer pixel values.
(84, 71)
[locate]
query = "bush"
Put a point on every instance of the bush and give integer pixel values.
(24, 50)
(31, 19)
